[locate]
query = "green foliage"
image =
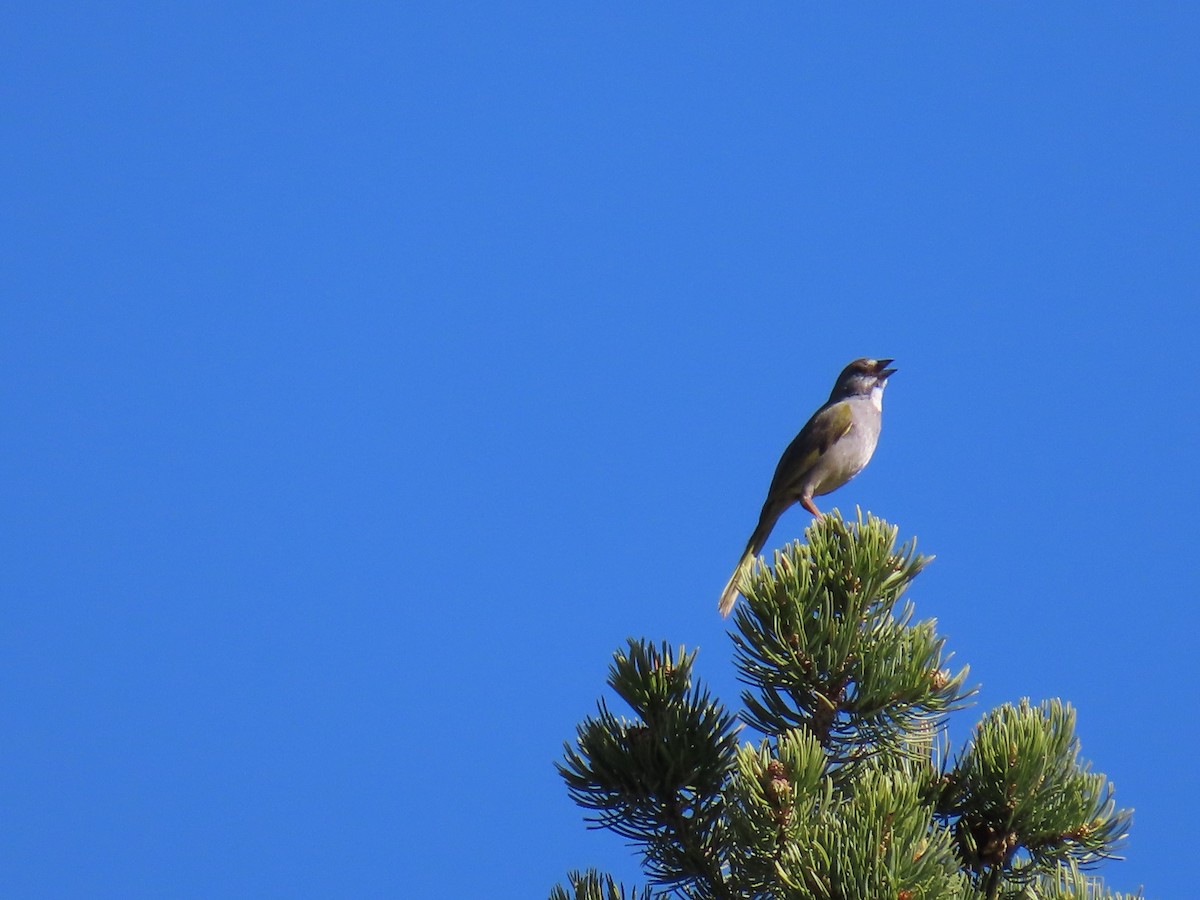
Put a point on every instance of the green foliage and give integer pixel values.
(843, 796)
(800, 833)
(1025, 804)
(592, 885)
(1067, 883)
(657, 780)
(820, 641)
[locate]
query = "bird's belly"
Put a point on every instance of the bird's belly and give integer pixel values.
(842, 462)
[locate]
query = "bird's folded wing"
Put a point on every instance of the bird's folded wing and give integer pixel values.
(827, 426)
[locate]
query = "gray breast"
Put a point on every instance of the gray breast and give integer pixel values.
(846, 458)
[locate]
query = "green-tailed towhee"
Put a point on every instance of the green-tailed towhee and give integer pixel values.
(831, 448)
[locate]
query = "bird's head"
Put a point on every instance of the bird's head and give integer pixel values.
(862, 378)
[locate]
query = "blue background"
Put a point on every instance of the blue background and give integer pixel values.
(370, 372)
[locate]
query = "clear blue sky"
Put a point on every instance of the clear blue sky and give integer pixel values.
(371, 371)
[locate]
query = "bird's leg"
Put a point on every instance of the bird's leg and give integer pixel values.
(807, 503)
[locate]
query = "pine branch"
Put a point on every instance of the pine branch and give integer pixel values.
(844, 796)
(1025, 805)
(657, 780)
(827, 646)
(593, 885)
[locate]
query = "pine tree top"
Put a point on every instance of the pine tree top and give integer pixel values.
(844, 794)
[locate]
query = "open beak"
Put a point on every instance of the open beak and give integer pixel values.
(881, 368)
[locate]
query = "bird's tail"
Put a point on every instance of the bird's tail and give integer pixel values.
(746, 563)
(733, 587)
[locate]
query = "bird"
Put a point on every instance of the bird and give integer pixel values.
(831, 448)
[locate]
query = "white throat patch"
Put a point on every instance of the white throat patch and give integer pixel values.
(877, 397)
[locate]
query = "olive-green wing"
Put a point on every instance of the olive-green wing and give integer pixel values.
(828, 425)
